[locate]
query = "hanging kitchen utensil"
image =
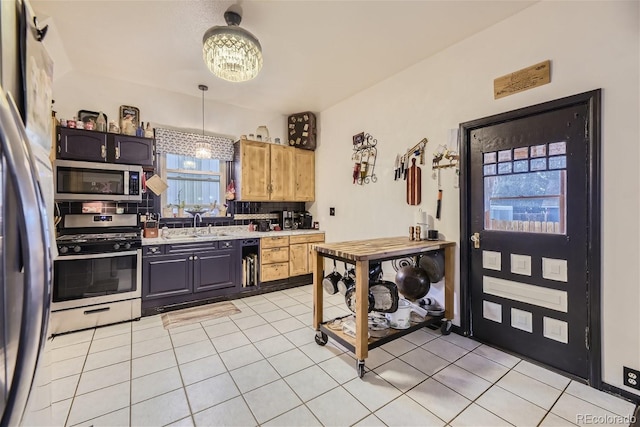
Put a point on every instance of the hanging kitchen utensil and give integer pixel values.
(414, 184)
(433, 264)
(413, 282)
(347, 280)
(330, 282)
(350, 300)
(396, 170)
(405, 168)
(385, 296)
(157, 185)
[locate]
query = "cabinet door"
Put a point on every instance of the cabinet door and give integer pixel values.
(132, 150)
(214, 270)
(305, 175)
(166, 275)
(282, 173)
(254, 171)
(77, 144)
(298, 259)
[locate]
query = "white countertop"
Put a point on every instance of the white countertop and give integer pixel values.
(185, 235)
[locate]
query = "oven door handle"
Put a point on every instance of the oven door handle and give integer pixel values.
(95, 256)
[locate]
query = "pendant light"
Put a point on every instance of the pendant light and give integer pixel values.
(232, 53)
(203, 148)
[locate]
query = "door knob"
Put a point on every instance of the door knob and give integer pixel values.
(475, 238)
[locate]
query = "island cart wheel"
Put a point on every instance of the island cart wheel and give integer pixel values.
(321, 338)
(446, 326)
(360, 368)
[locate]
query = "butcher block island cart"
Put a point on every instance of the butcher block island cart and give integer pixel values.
(361, 253)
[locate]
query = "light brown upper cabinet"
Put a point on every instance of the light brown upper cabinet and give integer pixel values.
(305, 175)
(266, 171)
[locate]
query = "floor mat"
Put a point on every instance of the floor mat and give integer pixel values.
(187, 316)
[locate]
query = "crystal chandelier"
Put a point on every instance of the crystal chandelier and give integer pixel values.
(203, 148)
(232, 53)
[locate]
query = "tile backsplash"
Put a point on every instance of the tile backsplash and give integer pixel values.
(247, 211)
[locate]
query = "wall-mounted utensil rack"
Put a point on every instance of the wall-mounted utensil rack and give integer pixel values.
(445, 153)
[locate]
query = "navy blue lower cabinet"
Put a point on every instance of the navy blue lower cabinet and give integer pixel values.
(165, 276)
(215, 270)
(177, 274)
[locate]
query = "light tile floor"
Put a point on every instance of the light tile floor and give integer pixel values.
(263, 367)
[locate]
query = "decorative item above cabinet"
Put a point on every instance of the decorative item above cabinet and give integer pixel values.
(93, 146)
(302, 130)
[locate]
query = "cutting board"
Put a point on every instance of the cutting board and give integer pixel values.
(157, 185)
(414, 184)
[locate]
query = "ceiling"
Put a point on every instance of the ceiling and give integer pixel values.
(316, 53)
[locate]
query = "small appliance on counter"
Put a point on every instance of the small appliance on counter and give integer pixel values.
(306, 221)
(286, 220)
(263, 225)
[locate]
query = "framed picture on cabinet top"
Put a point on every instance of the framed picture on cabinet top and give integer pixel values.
(129, 119)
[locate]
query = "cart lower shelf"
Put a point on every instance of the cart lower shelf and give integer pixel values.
(347, 341)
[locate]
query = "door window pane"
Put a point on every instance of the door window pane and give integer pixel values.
(558, 162)
(520, 153)
(539, 150)
(556, 148)
(490, 169)
(538, 164)
(520, 166)
(526, 202)
(490, 157)
(504, 168)
(504, 155)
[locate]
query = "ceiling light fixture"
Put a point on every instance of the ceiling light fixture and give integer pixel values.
(203, 148)
(232, 53)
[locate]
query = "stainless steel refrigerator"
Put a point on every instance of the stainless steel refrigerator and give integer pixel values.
(25, 222)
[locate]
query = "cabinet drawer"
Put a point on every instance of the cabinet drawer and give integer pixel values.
(190, 247)
(276, 271)
(274, 242)
(272, 255)
(306, 238)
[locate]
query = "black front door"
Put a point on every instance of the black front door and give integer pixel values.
(530, 217)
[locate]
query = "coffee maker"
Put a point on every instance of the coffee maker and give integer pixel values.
(286, 220)
(306, 221)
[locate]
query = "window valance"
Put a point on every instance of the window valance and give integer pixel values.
(184, 143)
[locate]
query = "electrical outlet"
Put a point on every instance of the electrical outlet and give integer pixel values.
(631, 377)
(332, 211)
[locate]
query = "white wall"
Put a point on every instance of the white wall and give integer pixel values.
(591, 45)
(74, 91)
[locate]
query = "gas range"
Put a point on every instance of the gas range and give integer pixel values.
(97, 278)
(95, 234)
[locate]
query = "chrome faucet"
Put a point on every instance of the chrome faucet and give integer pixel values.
(195, 221)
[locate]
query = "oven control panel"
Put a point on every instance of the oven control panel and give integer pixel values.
(77, 248)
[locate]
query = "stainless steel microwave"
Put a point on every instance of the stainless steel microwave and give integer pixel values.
(87, 181)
